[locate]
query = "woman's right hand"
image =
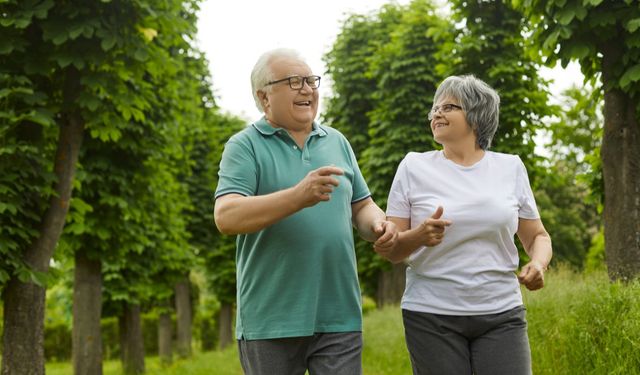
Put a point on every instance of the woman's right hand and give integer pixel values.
(432, 229)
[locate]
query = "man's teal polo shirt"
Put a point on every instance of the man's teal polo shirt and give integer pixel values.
(298, 276)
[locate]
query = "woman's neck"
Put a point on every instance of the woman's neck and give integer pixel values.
(463, 154)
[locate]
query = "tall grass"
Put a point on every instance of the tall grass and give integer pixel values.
(578, 324)
(583, 324)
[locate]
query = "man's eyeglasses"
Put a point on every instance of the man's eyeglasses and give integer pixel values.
(445, 108)
(297, 82)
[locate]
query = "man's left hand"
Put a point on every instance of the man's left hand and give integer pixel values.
(387, 233)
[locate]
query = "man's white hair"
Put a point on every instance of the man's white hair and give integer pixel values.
(262, 74)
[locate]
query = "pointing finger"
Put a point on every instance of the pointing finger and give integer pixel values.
(329, 170)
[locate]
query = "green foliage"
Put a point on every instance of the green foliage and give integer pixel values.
(123, 68)
(348, 65)
(26, 149)
(216, 250)
(492, 46)
(595, 260)
(586, 31)
(570, 221)
(570, 194)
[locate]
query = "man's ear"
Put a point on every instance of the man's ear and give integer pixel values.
(264, 100)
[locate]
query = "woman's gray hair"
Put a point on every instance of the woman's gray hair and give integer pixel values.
(479, 101)
(262, 74)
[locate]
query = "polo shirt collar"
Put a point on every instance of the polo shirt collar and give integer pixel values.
(266, 129)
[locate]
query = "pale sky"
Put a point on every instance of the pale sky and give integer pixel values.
(234, 33)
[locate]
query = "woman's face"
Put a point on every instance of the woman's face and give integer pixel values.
(448, 122)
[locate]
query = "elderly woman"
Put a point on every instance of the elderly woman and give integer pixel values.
(458, 210)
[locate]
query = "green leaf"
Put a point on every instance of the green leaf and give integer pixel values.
(41, 116)
(64, 60)
(24, 275)
(8, 207)
(76, 31)
(5, 46)
(633, 25)
(22, 23)
(141, 54)
(565, 15)
(41, 10)
(108, 42)
(4, 276)
(40, 278)
(631, 75)
(578, 51)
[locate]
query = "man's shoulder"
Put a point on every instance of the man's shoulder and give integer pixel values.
(247, 138)
(331, 131)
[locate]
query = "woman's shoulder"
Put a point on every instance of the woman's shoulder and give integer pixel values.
(505, 158)
(420, 156)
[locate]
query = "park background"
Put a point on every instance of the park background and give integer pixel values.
(111, 133)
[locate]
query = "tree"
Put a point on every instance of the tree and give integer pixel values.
(112, 67)
(604, 36)
(216, 250)
(492, 45)
(382, 66)
(570, 192)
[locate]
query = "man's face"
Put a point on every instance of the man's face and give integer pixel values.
(285, 107)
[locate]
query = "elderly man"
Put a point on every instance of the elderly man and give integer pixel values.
(291, 190)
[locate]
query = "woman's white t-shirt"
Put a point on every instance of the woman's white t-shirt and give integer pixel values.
(472, 271)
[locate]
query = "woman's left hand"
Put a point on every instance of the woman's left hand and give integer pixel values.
(532, 275)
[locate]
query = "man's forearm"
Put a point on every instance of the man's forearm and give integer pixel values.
(365, 219)
(240, 214)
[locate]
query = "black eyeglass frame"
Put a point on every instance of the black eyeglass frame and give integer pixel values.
(439, 107)
(303, 80)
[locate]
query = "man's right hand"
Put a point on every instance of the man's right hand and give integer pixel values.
(317, 186)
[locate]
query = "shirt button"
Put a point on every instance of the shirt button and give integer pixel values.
(295, 147)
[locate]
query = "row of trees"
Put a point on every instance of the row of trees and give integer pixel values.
(110, 100)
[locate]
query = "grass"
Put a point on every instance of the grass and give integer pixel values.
(583, 324)
(578, 324)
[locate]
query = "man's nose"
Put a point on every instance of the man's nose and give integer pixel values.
(305, 87)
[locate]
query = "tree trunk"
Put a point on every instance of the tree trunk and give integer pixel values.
(621, 171)
(131, 340)
(207, 334)
(391, 285)
(183, 317)
(22, 337)
(165, 338)
(87, 311)
(225, 320)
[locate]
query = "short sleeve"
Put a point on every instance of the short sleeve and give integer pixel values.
(398, 204)
(526, 201)
(360, 190)
(238, 171)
